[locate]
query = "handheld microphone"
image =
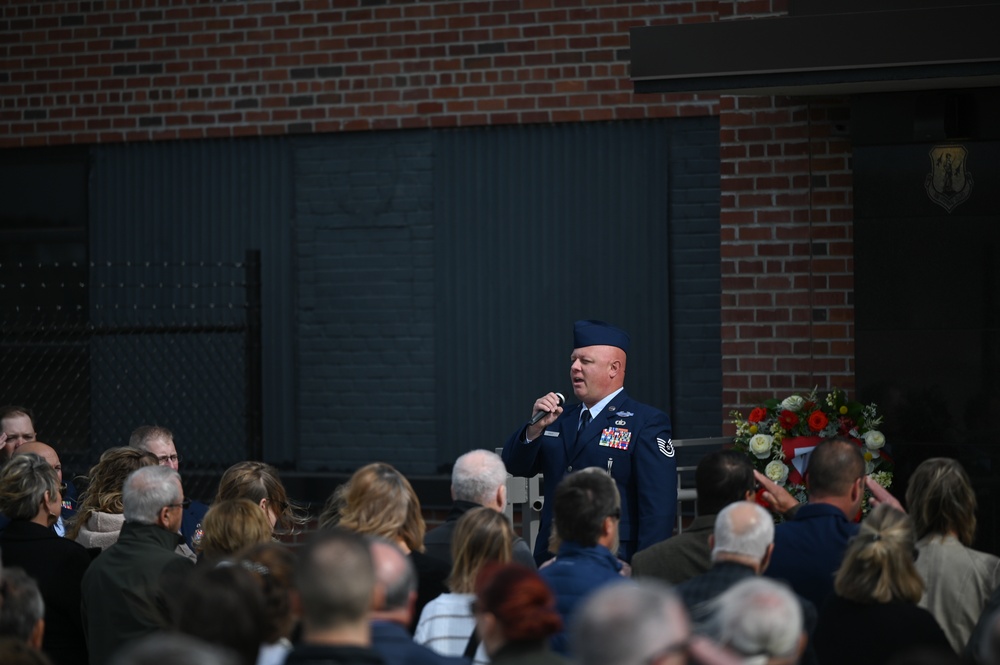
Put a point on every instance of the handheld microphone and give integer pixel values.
(541, 414)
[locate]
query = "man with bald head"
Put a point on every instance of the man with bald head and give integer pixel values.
(49, 454)
(607, 429)
(393, 604)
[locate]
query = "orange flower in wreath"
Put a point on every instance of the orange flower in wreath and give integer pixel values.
(757, 415)
(817, 421)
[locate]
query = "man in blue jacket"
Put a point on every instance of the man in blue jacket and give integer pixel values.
(587, 514)
(809, 546)
(609, 430)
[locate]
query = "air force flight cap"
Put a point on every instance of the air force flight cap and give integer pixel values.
(592, 333)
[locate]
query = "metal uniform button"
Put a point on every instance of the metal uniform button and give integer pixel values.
(569, 469)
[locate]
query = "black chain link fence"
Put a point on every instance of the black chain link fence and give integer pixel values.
(96, 350)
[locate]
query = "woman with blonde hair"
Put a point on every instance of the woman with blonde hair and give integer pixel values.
(447, 625)
(230, 526)
(99, 516)
(958, 579)
(877, 586)
(378, 500)
(259, 482)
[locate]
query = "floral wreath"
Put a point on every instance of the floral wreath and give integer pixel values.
(778, 437)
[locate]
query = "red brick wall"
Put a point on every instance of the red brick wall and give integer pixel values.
(137, 70)
(787, 250)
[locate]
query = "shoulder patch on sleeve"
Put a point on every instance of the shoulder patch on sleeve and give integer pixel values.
(666, 447)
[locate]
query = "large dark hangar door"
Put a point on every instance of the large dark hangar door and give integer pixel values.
(537, 226)
(927, 255)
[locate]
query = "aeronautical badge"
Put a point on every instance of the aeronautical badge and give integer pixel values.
(620, 423)
(949, 183)
(624, 414)
(615, 437)
(666, 447)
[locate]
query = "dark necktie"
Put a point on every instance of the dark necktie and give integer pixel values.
(584, 421)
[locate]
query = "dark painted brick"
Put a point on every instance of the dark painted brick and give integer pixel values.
(819, 315)
(151, 68)
(250, 103)
(74, 19)
(124, 70)
(151, 121)
(151, 15)
(494, 47)
(124, 43)
(303, 73)
(330, 72)
(301, 100)
(300, 128)
(35, 114)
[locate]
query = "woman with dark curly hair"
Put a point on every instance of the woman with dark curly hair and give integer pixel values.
(515, 616)
(30, 495)
(273, 566)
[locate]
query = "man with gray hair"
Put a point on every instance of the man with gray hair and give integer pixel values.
(741, 542)
(124, 589)
(760, 619)
(392, 609)
(22, 609)
(336, 583)
(479, 478)
(633, 624)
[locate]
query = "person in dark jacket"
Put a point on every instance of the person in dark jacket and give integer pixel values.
(479, 478)
(125, 588)
(587, 509)
(722, 477)
(30, 495)
(392, 609)
(336, 582)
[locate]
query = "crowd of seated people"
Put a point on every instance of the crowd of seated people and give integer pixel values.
(122, 586)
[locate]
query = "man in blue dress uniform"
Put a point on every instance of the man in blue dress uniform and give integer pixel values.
(609, 430)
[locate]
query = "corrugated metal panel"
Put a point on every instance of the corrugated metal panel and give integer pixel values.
(183, 207)
(537, 226)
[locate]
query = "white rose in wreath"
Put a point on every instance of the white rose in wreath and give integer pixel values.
(874, 440)
(776, 471)
(793, 403)
(760, 445)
